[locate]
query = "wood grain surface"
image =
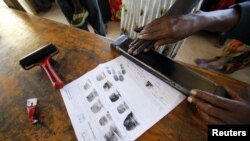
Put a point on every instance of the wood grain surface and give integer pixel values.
(79, 52)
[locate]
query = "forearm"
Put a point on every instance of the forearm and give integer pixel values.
(181, 7)
(218, 21)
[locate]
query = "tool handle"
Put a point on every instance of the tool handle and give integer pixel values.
(54, 78)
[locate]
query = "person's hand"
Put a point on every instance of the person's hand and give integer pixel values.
(170, 29)
(138, 45)
(218, 110)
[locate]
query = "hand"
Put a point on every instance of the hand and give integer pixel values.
(218, 110)
(170, 29)
(138, 45)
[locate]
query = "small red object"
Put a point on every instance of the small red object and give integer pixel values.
(31, 108)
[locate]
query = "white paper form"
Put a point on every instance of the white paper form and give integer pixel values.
(117, 100)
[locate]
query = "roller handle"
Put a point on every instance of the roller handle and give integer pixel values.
(54, 78)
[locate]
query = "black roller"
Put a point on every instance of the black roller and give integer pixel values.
(29, 60)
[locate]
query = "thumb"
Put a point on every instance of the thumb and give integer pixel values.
(233, 94)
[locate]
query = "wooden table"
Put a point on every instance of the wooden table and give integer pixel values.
(80, 52)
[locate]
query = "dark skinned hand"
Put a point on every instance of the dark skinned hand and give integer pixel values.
(138, 45)
(218, 110)
(170, 29)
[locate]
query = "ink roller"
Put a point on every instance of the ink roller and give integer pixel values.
(41, 57)
(169, 71)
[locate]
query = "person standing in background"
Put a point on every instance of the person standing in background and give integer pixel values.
(105, 11)
(85, 11)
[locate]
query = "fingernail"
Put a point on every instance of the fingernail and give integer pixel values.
(193, 92)
(140, 36)
(135, 53)
(189, 99)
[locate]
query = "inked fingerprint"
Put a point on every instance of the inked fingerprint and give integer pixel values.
(115, 75)
(96, 107)
(121, 78)
(103, 121)
(92, 95)
(86, 86)
(116, 78)
(100, 77)
(122, 68)
(130, 122)
(108, 70)
(107, 86)
(113, 134)
(114, 96)
(122, 108)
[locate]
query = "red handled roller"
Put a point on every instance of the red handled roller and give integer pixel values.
(42, 57)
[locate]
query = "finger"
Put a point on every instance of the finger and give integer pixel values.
(214, 99)
(132, 43)
(150, 46)
(141, 47)
(164, 42)
(243, 95)
(209, 119)
(135, 46)
(146, 50)
(232, 94)
(208, 108)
